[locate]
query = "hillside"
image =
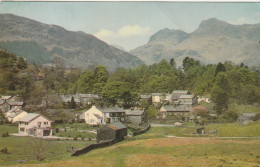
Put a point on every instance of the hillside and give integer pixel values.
(40, 43)
(213, 41)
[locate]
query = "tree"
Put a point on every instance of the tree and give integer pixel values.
(172, 62)
(39, 148)
(151, 112)
(200, 111)
(220, 93)
(100, 78)
(21, 63)
(85, 82)
(73, 103)
(220, 68)
(116, 91)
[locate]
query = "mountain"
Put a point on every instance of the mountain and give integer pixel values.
(41, 43)
(212, 42)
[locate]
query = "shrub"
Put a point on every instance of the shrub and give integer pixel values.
(75, 138)
(5, 134)
(4, 150)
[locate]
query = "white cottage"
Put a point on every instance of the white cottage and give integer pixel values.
(15, 114)
(35, 125)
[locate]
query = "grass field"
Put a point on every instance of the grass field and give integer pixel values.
(19, 148)
(168, 152)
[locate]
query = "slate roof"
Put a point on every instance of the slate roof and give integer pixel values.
(180, 108)
(67, 98)
(110, 109)
(156, 94)
(29, 117)
(98, 116)
(15, 103)
(134, 112)
(94, 96)
(186, 96)
(14, 114)
(116, 125)
(145, 96)
(180, 92)
(6, 97)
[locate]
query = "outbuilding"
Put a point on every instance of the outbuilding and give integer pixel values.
(114, 131)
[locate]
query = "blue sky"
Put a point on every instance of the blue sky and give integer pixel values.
(130, 24)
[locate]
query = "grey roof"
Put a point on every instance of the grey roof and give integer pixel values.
(134, 112)
(246, 116)
(186, 96)
(29, 117)
(67, 98)
(6, 97)
(98, 116)
(15, 103)
(145, 96)
(180, 92)
(110, 109)
(156, 94)
(179, 108)
(117, 125)
(94, 96)
(14, 114)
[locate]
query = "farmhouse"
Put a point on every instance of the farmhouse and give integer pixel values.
(188, 100)
(137, 117)
(15, 114)
(9, 102)
(246, 117)
(35, 125)
(114, 131)
(173, 110)
(177, 93)
(161, 98)
(96, 115)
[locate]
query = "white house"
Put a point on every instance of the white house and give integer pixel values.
(15, 114)
(35, 125)
(96, 115)
(161, 97)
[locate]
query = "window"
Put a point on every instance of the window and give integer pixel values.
(46, 123)
(21, 129)
(39, 124)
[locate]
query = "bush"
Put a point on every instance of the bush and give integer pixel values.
(5, 134)
(75, 138)
(4, 150)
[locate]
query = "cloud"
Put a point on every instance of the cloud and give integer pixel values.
(128, 35)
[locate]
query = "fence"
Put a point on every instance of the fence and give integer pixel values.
(94, 146)
(141, 131)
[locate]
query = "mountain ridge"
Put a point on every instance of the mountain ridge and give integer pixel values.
(76, 48)
(212, 42)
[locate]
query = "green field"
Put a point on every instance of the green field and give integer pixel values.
(19, 148)
(191, 150)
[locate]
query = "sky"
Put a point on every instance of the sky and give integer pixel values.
(130, 24)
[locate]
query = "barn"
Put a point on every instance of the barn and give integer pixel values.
(114, 131)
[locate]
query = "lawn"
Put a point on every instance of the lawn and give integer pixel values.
(19, 148)
(245, 108)
(168, 152)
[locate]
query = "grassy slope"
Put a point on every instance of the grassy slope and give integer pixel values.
(170, 152)
(19, 148)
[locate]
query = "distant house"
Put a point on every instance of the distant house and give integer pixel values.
(35, 125)
(9, 102)
(203, 99)
(146, 97)
(161, 98)
(15, 114)
(173, 110)
(188, 100)
(177, 93)
(138, 117)
(114, 131)
(246, 117)
(97, 115)
(80, 99)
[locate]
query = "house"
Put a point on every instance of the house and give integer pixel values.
(114, 131)
(177, 93)
(161, 98)
(137, 117)
(173, 110)
(34, 125)
(146, 97)
(203, 99)
(97, 115)
(246, 117)
(9, 102)
(188, 100)
(86, 99)
(15, 114)
(67, 99)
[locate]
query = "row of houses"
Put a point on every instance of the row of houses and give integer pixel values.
(177, 97)
(9, 102)
(101, 116)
